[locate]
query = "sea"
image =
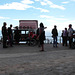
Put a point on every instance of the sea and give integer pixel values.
(48, 36)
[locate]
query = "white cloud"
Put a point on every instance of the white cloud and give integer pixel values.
(21, 6)
(48, 2)
(42, 10)
(60, 22)
(65, 2)
(57, 6)
(18, 6)
(72, 0)
(43, 3)
(27, 2)
(45, 16)
(15, 5)
(4, 17)
(37, 0)
(16, 19)
(61, 19)
(52, 5)
(52, 17)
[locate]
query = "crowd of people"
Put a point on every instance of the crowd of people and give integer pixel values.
(7, 34)
(67, 35)
(40, 34)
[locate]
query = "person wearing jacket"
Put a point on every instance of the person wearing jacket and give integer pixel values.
(54, 35)
(4, 34)
(70, 34)
(10, 35)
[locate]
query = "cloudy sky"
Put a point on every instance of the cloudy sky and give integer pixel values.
(50, 12)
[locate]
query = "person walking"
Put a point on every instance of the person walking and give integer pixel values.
(70, 33)
(4, 34)
(54, 35)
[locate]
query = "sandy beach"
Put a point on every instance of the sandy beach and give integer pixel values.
(28, 60)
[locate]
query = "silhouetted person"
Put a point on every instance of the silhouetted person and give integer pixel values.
(64, 37)
(10, 35)
(37, 33)
(54, 35)
(70, 34)
(4, 34)
(17, 35)
(41, 36)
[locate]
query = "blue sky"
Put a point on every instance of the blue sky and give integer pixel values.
(50, 12)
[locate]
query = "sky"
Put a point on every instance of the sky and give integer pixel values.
(50, 12)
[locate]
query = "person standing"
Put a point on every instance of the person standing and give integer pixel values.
(64, 37)
(41, 36)
(54, 35)
(37, 33)
(4, 34)
(16, 35)
(10, 35)
(70, 33)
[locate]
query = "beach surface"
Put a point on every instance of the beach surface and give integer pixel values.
(28, 60)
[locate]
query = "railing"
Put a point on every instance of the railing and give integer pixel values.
(48, 40)
(0, 38)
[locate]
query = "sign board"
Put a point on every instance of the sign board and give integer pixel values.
(28, 24)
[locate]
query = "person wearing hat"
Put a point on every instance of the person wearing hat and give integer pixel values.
(70, 33)
(54, 35)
